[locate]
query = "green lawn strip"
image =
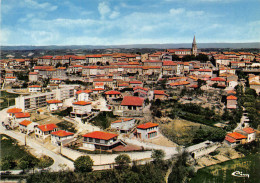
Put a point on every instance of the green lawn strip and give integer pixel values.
(222, 172)
(4, 96)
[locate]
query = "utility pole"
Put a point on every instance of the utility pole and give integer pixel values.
(25, 138)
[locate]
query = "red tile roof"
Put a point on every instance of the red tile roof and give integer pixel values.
(169, 63)
(248, 130)
(33, 73)
(179, 83)
(46, 57)
(53, 101)
(34, 86)
(141, 88)
(236, 136)
(231, 97)
(147, 125)
(22, 115)
(47, 127)
(62, 133)
(132, 101)
(25, 123)
(100, 135)
(83, 91)
(135, 82)
(98, 89)
(230, 139)
(112, 92)
(218, 79)
(14, 110)
(159, 92)
(81, 103)
(99, 84)
(123, 119)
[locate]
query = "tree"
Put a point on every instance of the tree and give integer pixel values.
(181, 170)
(32, 161)
(201, 83)
(158, 155)
(122, 161)
(23, 164)
(5, 165)
(83, 164)
(175, 57)
(202, 57)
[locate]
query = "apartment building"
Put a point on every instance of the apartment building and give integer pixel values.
(33, 102)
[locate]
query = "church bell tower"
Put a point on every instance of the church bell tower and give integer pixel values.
(194, 47)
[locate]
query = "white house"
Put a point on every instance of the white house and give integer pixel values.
(53, 105)
(250, 133)
(124, 125)
(112, 94)
(10, 79)
(234, 139)
(83, 95)
(27, 126)
(12, 111)
(43, 131)
(100, 140)
(61, 137)
(81, 109)
(33, 76)
(19, 117)
(147, 131)
(35, 88)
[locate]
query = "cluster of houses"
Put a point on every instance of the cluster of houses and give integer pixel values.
(123, 80)
(92, 141)
(240, 136)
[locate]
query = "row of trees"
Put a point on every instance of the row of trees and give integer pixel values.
(26, 162)
(180, 166)
(85, 163)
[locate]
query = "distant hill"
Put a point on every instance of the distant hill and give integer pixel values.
(159, 46)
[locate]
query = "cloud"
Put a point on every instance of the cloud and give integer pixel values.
(205, 1)
(114, 14)
(177, 11)
(35, 5)
(103, 9)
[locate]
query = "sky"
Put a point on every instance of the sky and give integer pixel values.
(122, 22)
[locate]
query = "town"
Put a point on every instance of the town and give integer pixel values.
(110, 104)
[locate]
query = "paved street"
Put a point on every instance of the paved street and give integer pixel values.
(58, 159)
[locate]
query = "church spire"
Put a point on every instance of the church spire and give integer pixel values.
(194, 47)
(194, 40)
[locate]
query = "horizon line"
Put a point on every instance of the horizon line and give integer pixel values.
(137, 44)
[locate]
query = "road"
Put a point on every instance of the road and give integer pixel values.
(58, 159)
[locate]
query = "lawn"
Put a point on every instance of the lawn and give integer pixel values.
(64, 125)
(222, 172)
(104, 119)
(10, 148)
(3, 96)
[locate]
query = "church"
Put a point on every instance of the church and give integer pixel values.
(183, 52)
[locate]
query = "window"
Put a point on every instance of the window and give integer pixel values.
(97, 140)
(90, 140)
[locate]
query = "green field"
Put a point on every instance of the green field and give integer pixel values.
(222, 172)
(10, 148)
(4, 96)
